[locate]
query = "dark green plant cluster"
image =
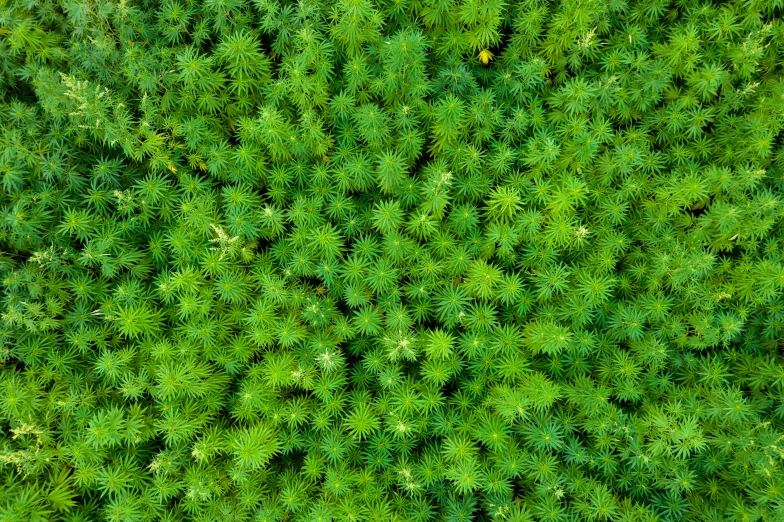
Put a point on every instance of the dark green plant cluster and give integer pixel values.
(391, 260)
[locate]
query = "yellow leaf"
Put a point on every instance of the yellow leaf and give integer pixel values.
(202, 165)
(172, 168)
(485, 56)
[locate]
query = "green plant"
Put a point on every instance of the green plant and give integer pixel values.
(404, 260)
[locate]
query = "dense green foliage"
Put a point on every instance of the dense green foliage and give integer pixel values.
(391, 260)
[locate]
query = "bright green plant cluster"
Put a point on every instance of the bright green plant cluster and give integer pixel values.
(391, 260)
